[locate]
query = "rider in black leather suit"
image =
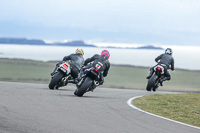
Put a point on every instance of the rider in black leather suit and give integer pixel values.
(103, 59)
(76, 60)
(167, 61)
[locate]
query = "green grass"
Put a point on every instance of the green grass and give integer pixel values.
(185, 79)
(118, 77)
(127, 77)
(25, 71)
(180, 107)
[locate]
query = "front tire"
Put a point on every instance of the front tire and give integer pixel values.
(86, 84)
(56, 79)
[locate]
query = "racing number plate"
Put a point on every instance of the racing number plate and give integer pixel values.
(65, 66)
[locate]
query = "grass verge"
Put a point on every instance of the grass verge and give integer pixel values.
(18, 70)
(180, 107)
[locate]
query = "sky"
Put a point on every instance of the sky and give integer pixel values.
(160, 22)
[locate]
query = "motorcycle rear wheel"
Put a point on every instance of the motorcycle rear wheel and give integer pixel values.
(151, 85)
(85, 85)
(56, 79)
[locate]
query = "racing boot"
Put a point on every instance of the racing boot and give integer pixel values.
(101, 82)
(163, 79)
(161, 82)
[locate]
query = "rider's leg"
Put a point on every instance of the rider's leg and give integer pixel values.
(56, 68)
(81, 73)
(167, 76)
(150, 73)
(101, 81)
(74, 74)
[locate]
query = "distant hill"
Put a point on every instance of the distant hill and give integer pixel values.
(74, 43)
(150, 47)
(24, 41)
(142, 47)
(21, 41)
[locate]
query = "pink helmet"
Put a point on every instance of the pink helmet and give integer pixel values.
(105, 52)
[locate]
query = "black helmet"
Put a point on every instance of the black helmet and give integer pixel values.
(168, 51)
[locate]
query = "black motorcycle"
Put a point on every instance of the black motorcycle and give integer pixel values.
(153, 82)
(61, 76)
(89, 81)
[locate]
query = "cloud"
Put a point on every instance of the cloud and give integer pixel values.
(142, 17)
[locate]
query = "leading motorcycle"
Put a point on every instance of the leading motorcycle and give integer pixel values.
(153, 82)
(61, 76)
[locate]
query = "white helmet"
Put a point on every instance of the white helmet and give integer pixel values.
(168, 51)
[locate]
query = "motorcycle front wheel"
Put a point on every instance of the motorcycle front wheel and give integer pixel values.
(56, 79)
(85, 85)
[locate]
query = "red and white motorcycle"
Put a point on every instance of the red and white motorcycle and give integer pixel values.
(153, 82)
(61, 76)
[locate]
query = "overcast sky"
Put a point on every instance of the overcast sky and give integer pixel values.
(174, 22)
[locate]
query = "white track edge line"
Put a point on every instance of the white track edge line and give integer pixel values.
(129, 102)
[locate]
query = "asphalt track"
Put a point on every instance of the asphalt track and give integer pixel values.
(33, 108)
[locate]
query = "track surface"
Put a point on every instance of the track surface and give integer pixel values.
(33, 108)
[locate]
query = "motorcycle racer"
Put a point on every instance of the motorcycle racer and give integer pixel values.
(167, 61)
(98, 59)
(76, 62)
